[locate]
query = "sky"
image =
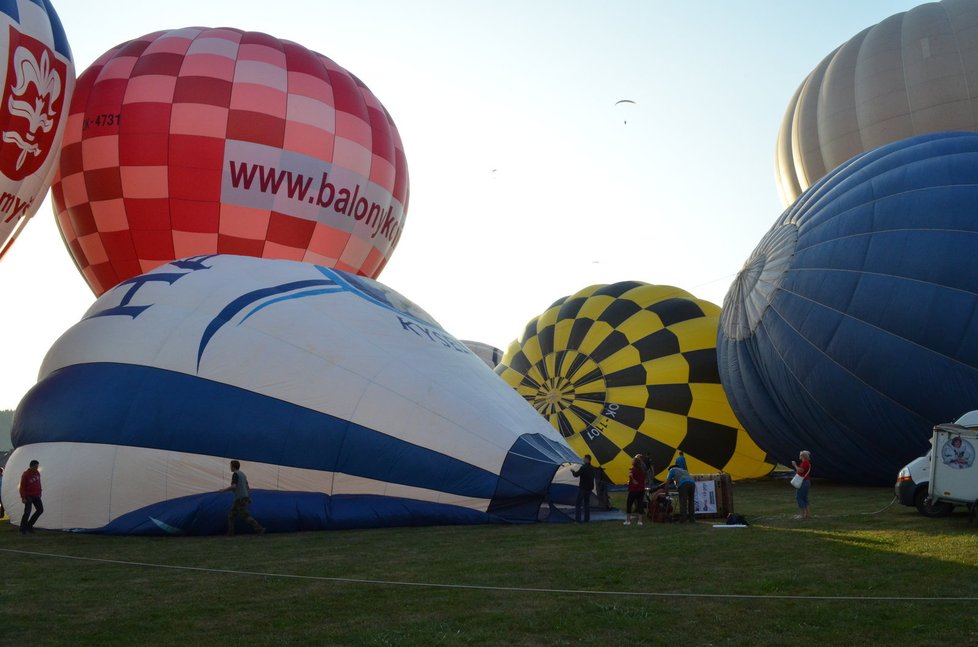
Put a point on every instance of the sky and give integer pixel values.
(528, 182)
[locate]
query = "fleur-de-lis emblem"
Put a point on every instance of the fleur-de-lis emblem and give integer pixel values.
(40, 114)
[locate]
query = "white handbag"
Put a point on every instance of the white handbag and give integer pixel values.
(797, 480)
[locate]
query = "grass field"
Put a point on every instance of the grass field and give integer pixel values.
(865, 571)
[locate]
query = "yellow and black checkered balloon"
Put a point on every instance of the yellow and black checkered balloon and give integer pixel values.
(631, 368)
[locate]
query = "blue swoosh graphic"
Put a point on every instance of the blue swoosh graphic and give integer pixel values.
(229, 311)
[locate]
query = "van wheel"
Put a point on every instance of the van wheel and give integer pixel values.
(925, 508)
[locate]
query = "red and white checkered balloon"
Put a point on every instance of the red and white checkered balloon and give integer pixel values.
(201, 141)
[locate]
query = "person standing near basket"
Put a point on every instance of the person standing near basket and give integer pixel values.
(686, 486)
(585, 485)
(636, 491)
(804, 470)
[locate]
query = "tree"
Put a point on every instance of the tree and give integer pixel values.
(6, 421)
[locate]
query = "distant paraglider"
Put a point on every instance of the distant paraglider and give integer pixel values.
(911, 74)
(851, 330)
(630, 368)
(38, 77)
(625, 102)
(349, 405)
(200, 141)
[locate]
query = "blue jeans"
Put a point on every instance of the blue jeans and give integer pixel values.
(801, 494)
(583, 501)
(240, 509)
(27, 521)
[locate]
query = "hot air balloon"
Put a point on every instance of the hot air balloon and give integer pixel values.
(347, 405)
(911, 74)
(486, 352)
(630, 368)
(37, 79)
(851, 329)
(197, 141)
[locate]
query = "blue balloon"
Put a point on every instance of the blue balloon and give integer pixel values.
(852, 329)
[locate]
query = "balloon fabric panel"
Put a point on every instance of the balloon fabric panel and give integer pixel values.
(215, 140)
(861, 336)
(614, 368)
(38, 81)
(908, 75)
(345, 401)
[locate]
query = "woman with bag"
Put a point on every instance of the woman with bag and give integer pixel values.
(803, 472)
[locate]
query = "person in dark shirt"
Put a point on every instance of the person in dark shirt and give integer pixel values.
(586, 483)
(30, 495)
(242, 500)
(687, 490)
(636, 491)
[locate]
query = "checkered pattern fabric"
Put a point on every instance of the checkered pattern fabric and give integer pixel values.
(201, 141)
(631, 368)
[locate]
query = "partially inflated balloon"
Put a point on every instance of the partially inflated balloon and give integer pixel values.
(851, 330)
(486, 352)
(911, 74)
(630, 368)
(198, 141)
(37, 78)
(347, 405)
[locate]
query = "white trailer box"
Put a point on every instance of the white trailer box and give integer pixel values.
(953, 473)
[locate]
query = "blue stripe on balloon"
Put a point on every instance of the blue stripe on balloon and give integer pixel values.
(57, 30)
(297, 295)
(10, 8)
(274, 294)
(138, 406)
(206, 514)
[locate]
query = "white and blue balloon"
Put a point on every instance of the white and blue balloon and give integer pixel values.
(347, 405)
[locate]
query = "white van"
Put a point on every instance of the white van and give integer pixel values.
(952, 477)
(913, 479)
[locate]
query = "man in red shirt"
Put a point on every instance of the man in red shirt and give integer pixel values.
(30, 494)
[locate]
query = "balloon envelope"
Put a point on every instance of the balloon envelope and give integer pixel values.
(911, 74)
(631, 368)
(486, 352)
(346, 404)
(198, 141)
(851, 330)
(37, 78)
